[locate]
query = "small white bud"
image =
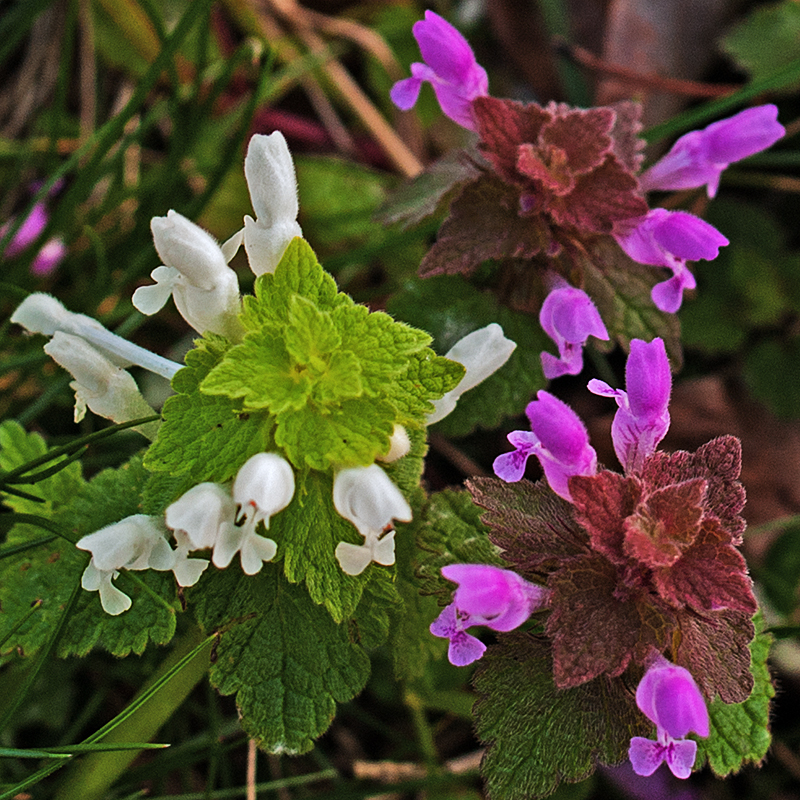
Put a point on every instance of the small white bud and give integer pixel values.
(264, 486)
(399, 445)
(482, 353)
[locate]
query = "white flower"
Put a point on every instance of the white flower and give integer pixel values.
(136, 543)
(200, 513)
(196, 273)
(269, 171)
(263, 487)
(42, 313)
(482, 353)
(367, 497)
(187, 570)
(106, 389)
(355, 558)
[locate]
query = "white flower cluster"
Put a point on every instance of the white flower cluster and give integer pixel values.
(224, 520)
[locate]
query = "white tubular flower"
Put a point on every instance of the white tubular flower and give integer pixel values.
(196, 273)
(135, 542)
(263, 487)
(42, 313)
(200, 513)
(269, 170)
(482, 353)
(107, 390)
(355, 558)
(367, 497)
(187, 570)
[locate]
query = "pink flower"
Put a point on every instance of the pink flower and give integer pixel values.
(486, 595)
(700, 157)
(558, 439)
(568, 317)
(52, 251)
(669, 697)
(450, 67)
(642, 420)
(670, 239)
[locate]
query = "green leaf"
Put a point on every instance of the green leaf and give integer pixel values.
(285, 659)
(767, 40)
(772, 371)
(336, 377)
(503, 394)
(538, 735)
(740, 732)
(49, 573)
(205, 437)
(307, 533)
(17, 447)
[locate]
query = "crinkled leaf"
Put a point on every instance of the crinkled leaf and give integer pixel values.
(50, 573)
(539, 735)
(205, 437)
(484, 223)
(740, 731)
(501, 395)
(336, 377)
(285, 659)
(534, 528)
(714, 648)
(424, 195)
(595, 630)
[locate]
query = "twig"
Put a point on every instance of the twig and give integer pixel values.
(658, 83)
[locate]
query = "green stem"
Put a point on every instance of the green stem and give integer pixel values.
(91, 777)
(416, 706)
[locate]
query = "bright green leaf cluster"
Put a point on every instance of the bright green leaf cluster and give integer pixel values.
(334, 377)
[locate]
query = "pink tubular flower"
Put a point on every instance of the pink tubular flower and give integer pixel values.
(486, 595)
(642, 420)
(568, 317)
(450, 67)
(700, 157)
(669, 697)
(558, 439)
(670, 239)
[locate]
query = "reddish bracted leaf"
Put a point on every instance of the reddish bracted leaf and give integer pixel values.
(583, 135)
(503, 125)
(665, 523)
(548, 169)
(595, 633)
(602, 503)
(714, 648)
(719, 462)
(601, 198)
(532, 525)
(628, 144)
(484, 223)
(710, 575)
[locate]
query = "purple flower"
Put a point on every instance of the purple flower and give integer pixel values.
(558, 439)
(51, 253)
(450, 67)
(670, 239)
(642, 420)
(486, 595)
(669, 697)
(568, 317)
(700, 157)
